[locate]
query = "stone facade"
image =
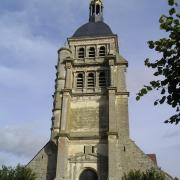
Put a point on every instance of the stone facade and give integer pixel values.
(90, 126)
(44, 163)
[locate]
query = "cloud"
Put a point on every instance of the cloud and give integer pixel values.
(172, 134)
(44, 18)
(31, 33)
(25, 59)
(10, 77)
(19, 47)
(20, 141)
(12, 6)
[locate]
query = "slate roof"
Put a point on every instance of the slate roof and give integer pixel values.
(93, 29)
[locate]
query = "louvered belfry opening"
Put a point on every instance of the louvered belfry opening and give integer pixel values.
(102, 51)
(91, 52)
(102, 79)
(81, 53)
(79, 83)
(91, 80)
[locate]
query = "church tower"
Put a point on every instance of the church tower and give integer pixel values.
(90, 127)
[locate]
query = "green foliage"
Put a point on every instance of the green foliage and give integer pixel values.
(150, 174)
(18, 173)
(167, 67)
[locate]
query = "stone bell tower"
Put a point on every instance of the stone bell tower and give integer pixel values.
(90, 130)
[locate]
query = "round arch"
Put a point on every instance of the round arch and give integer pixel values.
(88, 174)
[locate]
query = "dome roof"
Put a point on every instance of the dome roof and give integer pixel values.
(93, 29)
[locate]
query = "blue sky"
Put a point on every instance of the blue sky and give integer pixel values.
(31, 32)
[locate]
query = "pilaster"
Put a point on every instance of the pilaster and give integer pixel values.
(121, 79)
(111, 63)
(65, 108)
(68, 67)
(62, 159)
(112, 113)
(112, 156)
(112, 135)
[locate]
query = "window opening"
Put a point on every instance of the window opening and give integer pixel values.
(102, 51)
(102, 79)
(101, 8)
(97, 9)
(79, 81)
(93, 9)
(81, 53)
(91, 52)
(91, 81)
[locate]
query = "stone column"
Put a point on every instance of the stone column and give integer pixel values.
(65, 107)
(111, 64)
(85, 81)
(112, 112)
(68, 66)
(112, 157)
(121, 79)
(62, 154)
(96, 81)
(62, 159)
(112, 134)
(66, 93)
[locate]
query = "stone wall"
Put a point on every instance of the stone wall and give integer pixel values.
(91, 122)
(83, 154)
(122, 116)
(88, 114)
(44, 163)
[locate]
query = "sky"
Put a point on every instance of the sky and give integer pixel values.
(31, 32)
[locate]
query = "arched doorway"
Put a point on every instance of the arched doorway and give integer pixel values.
(88, 174)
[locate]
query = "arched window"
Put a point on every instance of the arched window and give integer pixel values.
(102, 51)
(81, 53)
(90, 80)
(79, 80)
(97, 9)
(102, 79)
(88, 174)
(92, 52)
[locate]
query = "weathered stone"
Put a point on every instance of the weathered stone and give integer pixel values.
(90, 126)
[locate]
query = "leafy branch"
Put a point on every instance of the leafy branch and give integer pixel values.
(167, 68)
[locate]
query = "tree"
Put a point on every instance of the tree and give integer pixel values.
(150, 174)
(167, 67)
(176, 178)
(18, 173)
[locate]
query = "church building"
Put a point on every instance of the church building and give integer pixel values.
(90, 126)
